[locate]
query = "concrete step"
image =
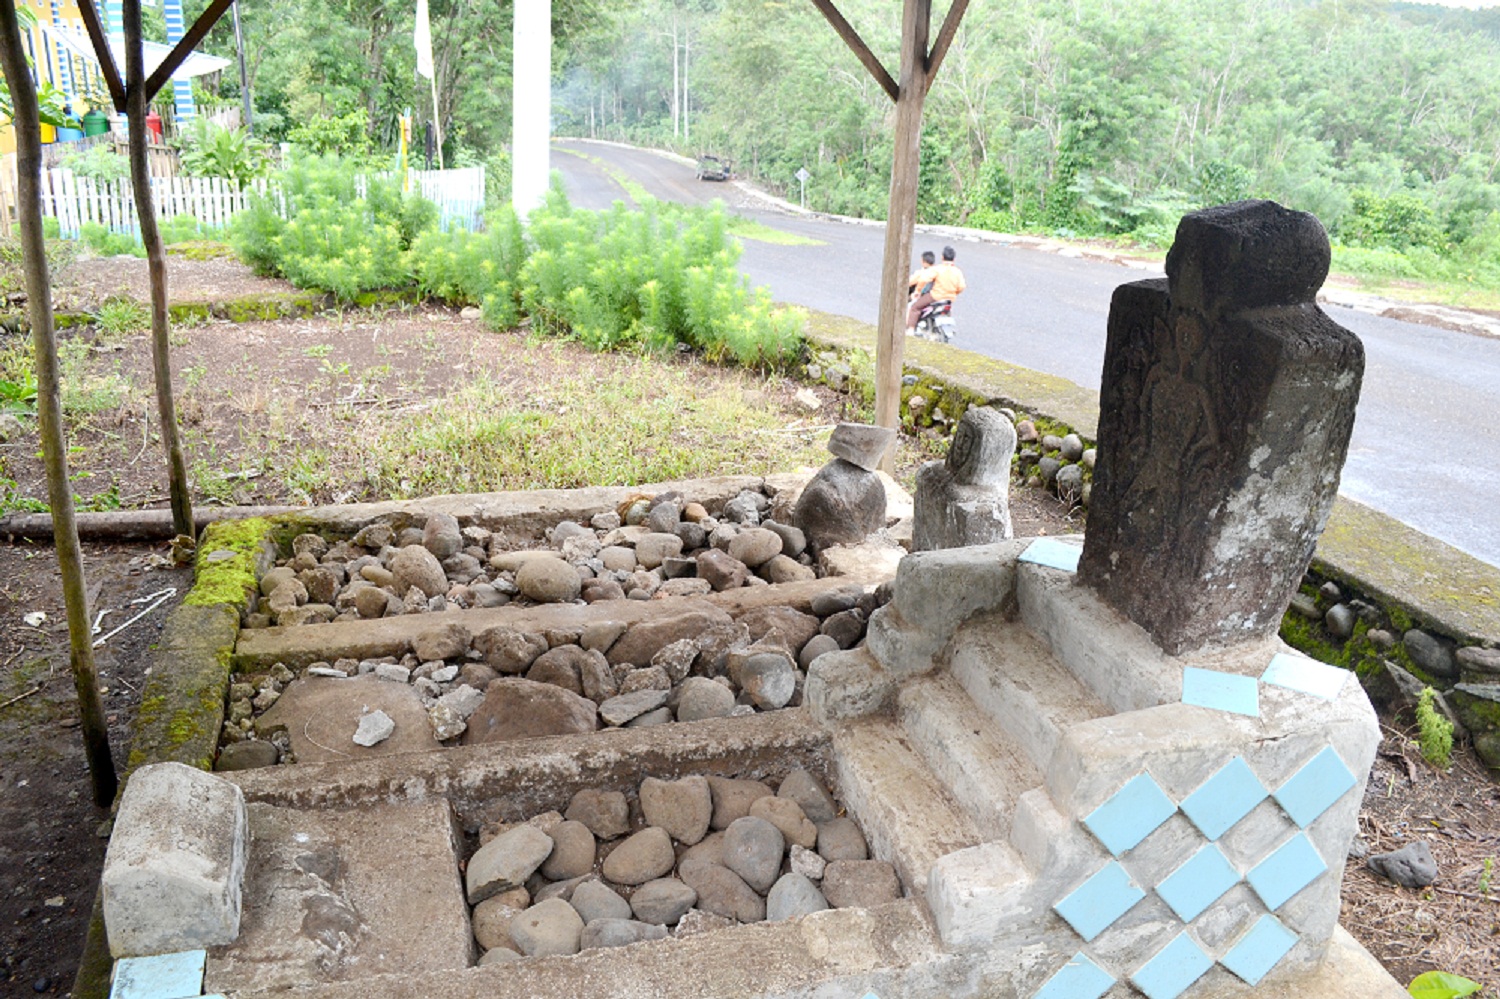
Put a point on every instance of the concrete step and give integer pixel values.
(907, 814)
(981, 766)
(1014, 678)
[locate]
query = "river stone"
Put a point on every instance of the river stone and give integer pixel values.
(860, 883)
(289, 595)
(415, 566)
(659, 716)
(509, 650)
(371, 602)
(701, 698)
(572, 852)
(676, 659)
(786, 815)
(793, 895)
(626, 708)
(793, 540)
(1431, 654)
(643, 641)
(722, 571)
(491, 918)
(274, 578)
(755, 546)
(618, 558)
(846, 628)
(753, 849)
(817, 646)
(651, 550)
(550, 927)
(249, 754)
(807, 863)
(596, 677)
(842, 505)
(682, 807)
(445, 641)
(441, 535)
(514, 708)
(1412, 866)
(784, 569)
(831, 602)
(1339, 621)
(709, 850)
(841, 839)
(861, 444)
(605, 813)
(1072, 447)
(733, 798)
(506, 861)
(769, 677)
(619, 933)
(643, 857)
(663, 518)
(321, 584)
(663, 901)
(597, 900)
(500, 955)
(549, 581)
(1479, 660)
(562, 666)
(794, 627)
(724, 893)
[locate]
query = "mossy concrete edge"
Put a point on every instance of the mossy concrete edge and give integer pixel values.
(1447, 589)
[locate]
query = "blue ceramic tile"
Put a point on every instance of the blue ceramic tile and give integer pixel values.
(1080, 978)
(1224, 799)
(1053, 554)
(1130, 815)
(1290, 868)
(1307, 676)
(1224, 691)
(1310, 791)
(1198, 883)
(162, 976)
(1175, 967)
(1094, 905)
(1259, 950)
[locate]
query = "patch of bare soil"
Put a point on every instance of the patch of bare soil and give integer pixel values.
(84, 285)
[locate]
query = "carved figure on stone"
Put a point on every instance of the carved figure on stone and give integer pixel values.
(965, 499)
(1226, 406)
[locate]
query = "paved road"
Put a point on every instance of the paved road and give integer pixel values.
(1426, 446)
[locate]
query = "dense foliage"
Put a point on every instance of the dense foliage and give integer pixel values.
(654, 278)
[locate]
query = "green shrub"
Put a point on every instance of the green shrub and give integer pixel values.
(211, 150)
(120, 317)
(1435, 733)
(466, 268)
(99, 162)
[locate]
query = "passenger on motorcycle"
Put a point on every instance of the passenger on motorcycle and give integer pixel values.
(919, 290)
(931, 310)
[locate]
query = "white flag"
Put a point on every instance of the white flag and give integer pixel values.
(423, 37)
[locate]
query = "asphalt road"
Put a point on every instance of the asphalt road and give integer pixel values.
(1426, 445)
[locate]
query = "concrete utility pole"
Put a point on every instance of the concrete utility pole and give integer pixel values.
(531, 119)
(918, 68)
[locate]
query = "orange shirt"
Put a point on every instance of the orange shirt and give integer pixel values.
(948, 281)
(920, 278)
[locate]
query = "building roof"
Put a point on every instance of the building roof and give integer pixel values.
(196, 64)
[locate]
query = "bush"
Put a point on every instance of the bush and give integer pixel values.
(100, 162)
(464, 268)
(213, 151)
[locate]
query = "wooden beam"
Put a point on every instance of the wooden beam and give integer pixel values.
(857, 45)
(945, 38)
(184, 48)
(102, 53)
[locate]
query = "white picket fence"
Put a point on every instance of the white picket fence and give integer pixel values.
(74, 200)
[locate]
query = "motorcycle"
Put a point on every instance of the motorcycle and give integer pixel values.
(935, 322)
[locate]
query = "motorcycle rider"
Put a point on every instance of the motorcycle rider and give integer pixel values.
(919, 290)
(948, 281)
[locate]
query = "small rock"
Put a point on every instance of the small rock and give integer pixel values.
(447, 641)
(1305, 606)
(1071, 447)
(491, 918)
(1339, 621)
(598, 636)
(374, 728)
(752, 849)
(393, 672)
(250, 754)
(768, 677)
(415, 566)
(846, 628)
(793, 895)
(682, 807)
(548, 581)
(701, 698)
(755, 546)
(786, 815)
(446, 722)
(514, 708)
(676, 659)
(807, 863)
(506, 861)
(605, 813)
(550, 927)
(1480, 660)
(696, 921)
(785, 569)
(664, 901)
(860, 883)
(840, 839)
(626, 707)
(1431, 654)
(861, 444)
(442, 536)
(732, 799)
(660, 716)
(607, 521)
(816, 646)
(724, 893)
(509, 650)
(572, 852)
(645, 678)
(720, 570)
(596, 900)
(643, 857)
(1412, 866)
(654, 549)
(619, 933)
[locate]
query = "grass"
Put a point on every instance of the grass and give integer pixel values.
(750, 229)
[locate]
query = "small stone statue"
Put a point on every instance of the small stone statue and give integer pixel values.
(965, 500)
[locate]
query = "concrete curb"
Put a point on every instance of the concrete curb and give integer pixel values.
(1439, 585)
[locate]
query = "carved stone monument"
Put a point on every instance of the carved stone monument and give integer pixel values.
(1231, 398)
(965, 499)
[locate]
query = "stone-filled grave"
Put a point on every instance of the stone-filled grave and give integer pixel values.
(676, 858)
(504, 682)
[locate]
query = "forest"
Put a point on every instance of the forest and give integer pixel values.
(1069, 117)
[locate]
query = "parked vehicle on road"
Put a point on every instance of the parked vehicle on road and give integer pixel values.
(713, 168)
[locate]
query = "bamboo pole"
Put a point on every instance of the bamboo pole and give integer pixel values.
(49, 407)
(136, 99)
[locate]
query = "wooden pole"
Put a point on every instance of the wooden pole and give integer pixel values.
(49, 407)
(890, 343)
(136, 100)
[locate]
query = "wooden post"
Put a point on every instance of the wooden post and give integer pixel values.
(136, 102)
(49, 407)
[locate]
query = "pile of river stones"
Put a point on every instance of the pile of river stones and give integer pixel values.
(662, 545)
(504, 683)
(1060, 464)
(694, 854)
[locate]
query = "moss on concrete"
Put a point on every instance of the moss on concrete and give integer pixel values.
(229, 581)
(182, 706)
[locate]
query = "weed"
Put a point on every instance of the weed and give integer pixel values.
(318, 350)
(1441, 985)
(1484, 879)
(119, 317)
(1435, 733)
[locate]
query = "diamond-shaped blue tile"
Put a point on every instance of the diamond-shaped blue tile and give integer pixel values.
(1198, 883)
(161, 976)
(1312, 790)
(1080, 978)
(1223, 691)
(1130, 815)
(1224, 798)
(1175, 967)
(1259, 950)
(1290, 868)
(1094, 905)
(1307, 676)
(1053, 554)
